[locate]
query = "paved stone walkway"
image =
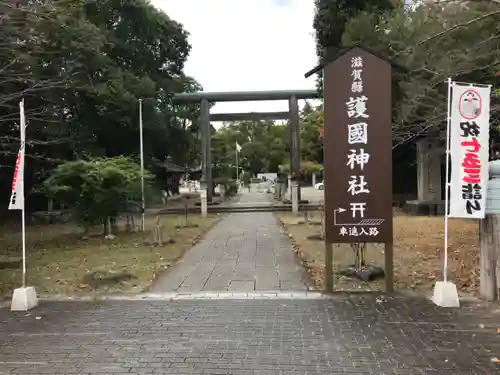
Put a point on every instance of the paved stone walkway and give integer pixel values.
(189, 331)
(355, 336)
(244, 252)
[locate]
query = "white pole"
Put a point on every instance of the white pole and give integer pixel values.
(447, 191)
(143, 201)
(22, 130)
(23, 221)
(237, 167)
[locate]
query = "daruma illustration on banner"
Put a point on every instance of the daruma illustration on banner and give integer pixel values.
(469, 140)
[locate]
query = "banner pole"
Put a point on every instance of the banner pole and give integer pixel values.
(23, 225)
(22, 130)
(447, 190)
(23, 298)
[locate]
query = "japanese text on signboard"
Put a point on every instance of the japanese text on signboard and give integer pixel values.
(357, 158)
(357, 142)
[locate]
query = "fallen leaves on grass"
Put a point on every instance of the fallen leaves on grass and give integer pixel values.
(59, 259)
(418, 252)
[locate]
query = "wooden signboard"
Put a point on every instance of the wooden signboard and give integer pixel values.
(358, 149)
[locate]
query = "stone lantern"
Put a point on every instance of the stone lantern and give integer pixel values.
(493, 190)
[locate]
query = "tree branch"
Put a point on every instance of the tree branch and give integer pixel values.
(457, 26)
(32, 142)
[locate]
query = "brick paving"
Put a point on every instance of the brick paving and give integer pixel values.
(339, 335)
(243, 252)
(207, 316)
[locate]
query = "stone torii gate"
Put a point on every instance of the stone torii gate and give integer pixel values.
(206, 98)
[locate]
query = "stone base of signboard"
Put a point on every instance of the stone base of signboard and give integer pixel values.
(24, 299)
(399, 200)
(368, 273)
(425, 208)
(445, 294)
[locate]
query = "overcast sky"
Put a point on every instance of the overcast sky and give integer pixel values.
(240, 45)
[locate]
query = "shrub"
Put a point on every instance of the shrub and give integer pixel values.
(96, 189)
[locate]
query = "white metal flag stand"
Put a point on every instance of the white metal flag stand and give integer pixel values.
(24, 298)
(23, 231)
(445, 292)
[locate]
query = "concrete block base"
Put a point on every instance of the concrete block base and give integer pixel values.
(445, 294)
(24, 299)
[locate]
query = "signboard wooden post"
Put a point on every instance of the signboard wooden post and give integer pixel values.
(358, 155)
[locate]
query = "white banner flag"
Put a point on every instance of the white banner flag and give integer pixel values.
(469, 147)
(17, 196)
(238, 147)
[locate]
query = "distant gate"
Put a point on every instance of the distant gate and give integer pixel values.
(206, 98)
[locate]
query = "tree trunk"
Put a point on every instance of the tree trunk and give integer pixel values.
(108, 226)
(50, 209)
(128, 225)
(114, 225)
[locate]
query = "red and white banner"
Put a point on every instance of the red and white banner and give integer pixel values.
(469, 150)
(17, 196)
